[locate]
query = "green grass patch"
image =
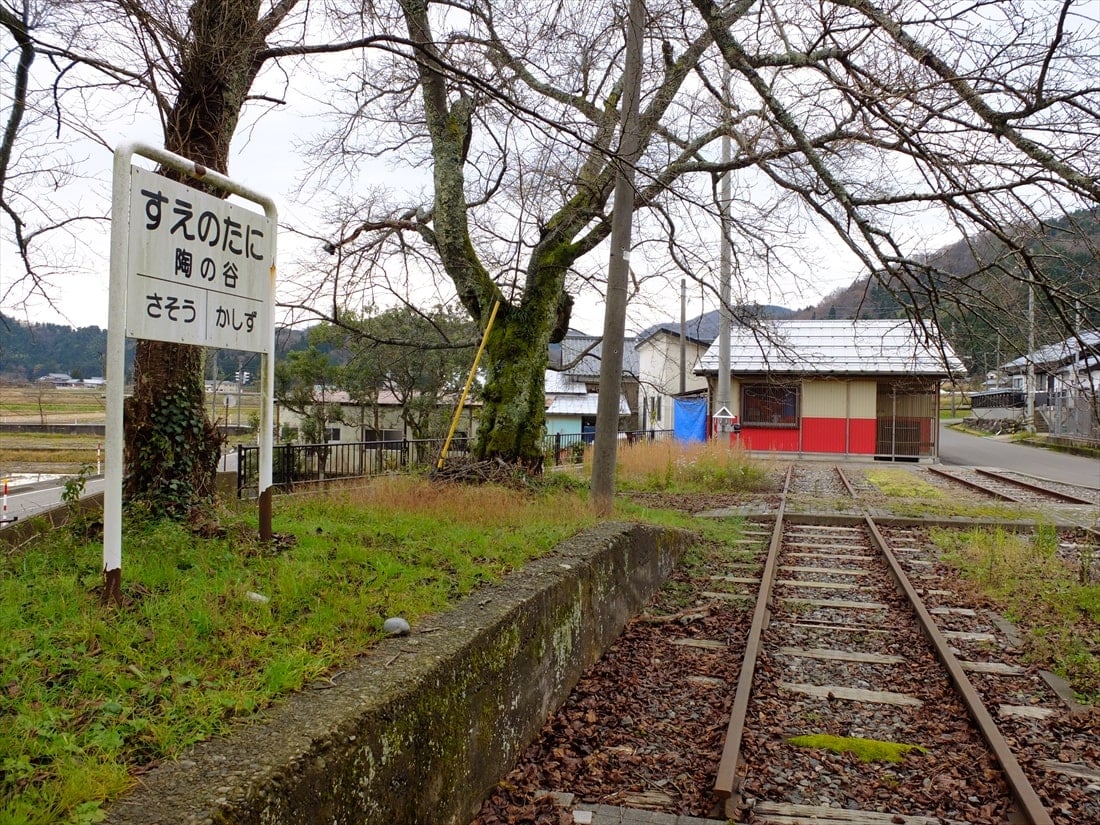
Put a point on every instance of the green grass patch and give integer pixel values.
(866, 750)
(1055, 605)
(89, 694)
(904, 484)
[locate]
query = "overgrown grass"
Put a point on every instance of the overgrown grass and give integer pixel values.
(218, 628)
(1056, 608)
(694, 467)
(904, 484)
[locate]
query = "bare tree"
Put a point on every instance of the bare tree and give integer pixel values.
(197, 62)
(534, 182)
(845, 117)
(985, 119)
(34, 164)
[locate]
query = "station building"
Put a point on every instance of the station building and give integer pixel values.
(849, 388)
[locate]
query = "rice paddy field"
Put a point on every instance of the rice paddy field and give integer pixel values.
(66, 451)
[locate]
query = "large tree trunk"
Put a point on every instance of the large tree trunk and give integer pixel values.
(513, 417)
(171, 447)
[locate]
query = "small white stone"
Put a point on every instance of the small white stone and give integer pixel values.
(259, 598)
(582, 817)
(396, 626)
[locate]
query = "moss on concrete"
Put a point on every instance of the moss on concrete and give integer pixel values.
(427, 724)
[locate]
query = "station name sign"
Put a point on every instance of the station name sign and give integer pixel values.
(199, 268)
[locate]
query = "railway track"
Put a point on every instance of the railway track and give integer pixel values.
(1016, 488)
(855, 638)
(835, 659)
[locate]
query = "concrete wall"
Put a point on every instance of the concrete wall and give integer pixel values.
(424, 726)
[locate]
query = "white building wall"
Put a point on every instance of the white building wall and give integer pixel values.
(659, 375)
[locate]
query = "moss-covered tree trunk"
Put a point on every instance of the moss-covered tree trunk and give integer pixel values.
(513, 415)
(513, 418)
(171, 447)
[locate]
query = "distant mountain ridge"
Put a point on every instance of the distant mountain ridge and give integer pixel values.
(981, 302)
(31, 350)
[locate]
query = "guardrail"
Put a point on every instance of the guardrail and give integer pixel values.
(297, 464)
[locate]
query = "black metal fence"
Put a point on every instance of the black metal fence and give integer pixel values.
(295, 464)
(298, 464)
(568, 448)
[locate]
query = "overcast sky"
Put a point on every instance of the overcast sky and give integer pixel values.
(266, 157)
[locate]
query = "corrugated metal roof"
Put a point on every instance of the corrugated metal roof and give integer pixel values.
(558, 382)
(581, 405)
(565, 396)
(867, 347)
(589, 366)
(1063, 352)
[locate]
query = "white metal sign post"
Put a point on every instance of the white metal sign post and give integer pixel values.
(189, 268)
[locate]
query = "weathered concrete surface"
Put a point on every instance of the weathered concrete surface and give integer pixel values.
(425, 725)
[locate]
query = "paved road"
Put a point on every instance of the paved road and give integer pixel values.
(977, 451)
(27, 502)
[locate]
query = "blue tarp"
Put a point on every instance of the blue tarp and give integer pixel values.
(689, 419)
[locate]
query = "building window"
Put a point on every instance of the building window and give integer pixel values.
(769, 405)
(655, 410)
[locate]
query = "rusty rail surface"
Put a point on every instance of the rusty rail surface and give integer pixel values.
(989, 491)
(1028, 800)
(1035, 488)
(844, 480)
(727, 786)
(727, 783)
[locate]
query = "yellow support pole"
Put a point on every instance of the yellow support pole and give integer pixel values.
(466, 389)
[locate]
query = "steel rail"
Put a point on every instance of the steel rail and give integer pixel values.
(727, 784)
(989, 491)
(1035, 488)
(844, 480)
(1030, 806)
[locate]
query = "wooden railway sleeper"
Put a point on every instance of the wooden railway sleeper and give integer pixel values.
(727, 784)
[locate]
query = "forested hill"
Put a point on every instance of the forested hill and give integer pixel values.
(29, 351)
(981, 304)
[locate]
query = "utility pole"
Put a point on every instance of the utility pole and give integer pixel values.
(725, 264)
(683, 335)
(614, 323)
(1030, 357)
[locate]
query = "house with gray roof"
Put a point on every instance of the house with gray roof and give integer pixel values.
(572, 387)
(855, 387)
(1065, 392)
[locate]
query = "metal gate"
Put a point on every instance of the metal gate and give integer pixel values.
(908, 419)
